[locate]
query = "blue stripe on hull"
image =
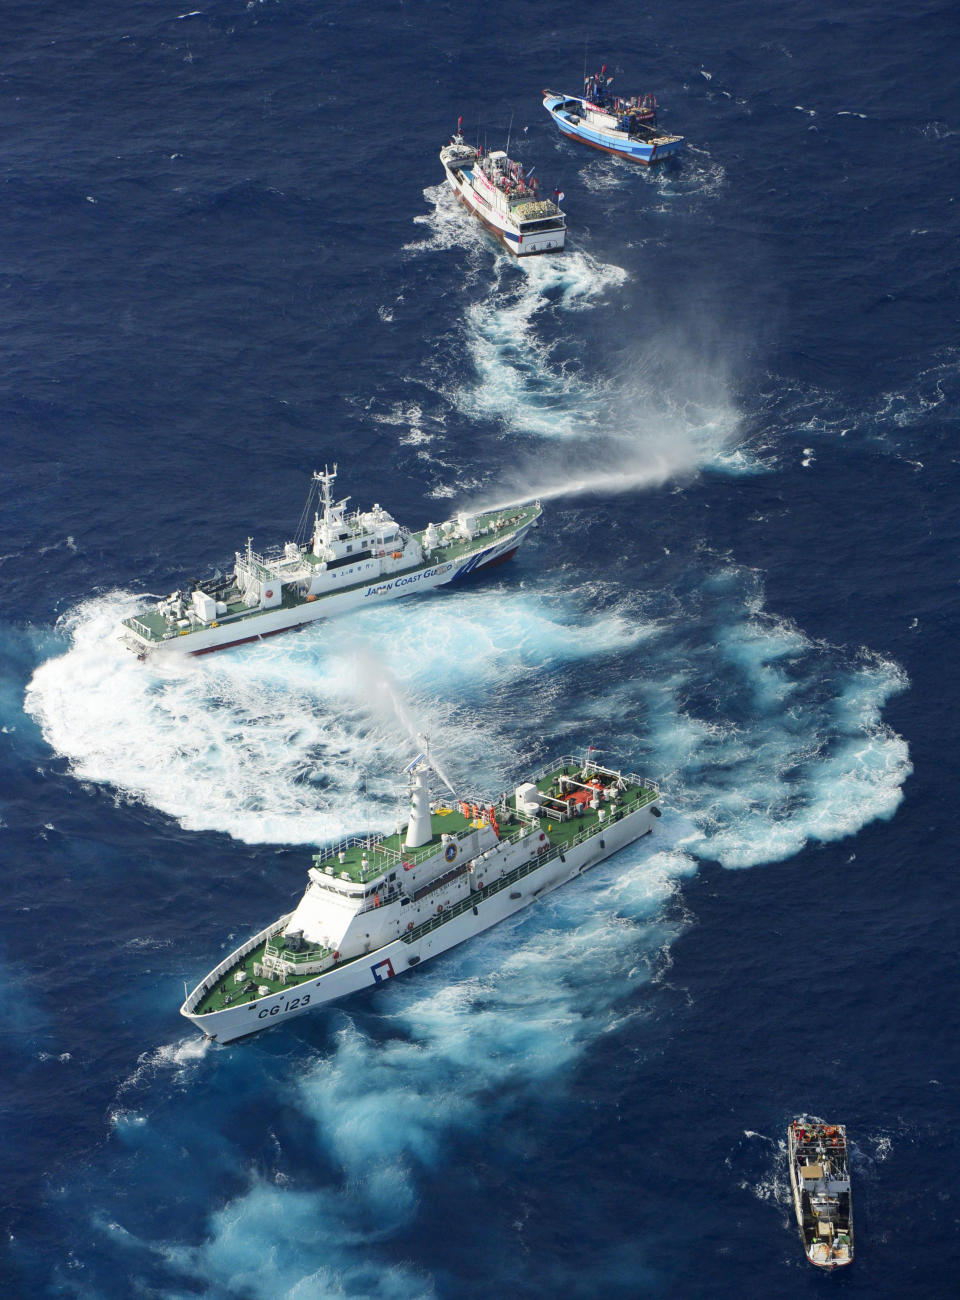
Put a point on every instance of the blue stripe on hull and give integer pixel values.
(635, 150)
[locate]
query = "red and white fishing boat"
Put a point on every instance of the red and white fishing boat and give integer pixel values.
(504, 197)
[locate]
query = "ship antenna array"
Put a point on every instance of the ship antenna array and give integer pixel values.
(325, 479)
(427, 758)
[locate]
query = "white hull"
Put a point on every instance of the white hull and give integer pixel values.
(380, 964)
(824, 1186)
(547, 241)
(257, 626)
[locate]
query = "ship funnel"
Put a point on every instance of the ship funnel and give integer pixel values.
(419, 829)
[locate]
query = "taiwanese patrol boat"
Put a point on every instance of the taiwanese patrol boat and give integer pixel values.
(504, 197)
(353, 560)
(626, 127)
(820, 1180)
(378, 905)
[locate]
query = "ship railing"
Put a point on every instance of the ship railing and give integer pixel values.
(303, 957)
(374, 845)
(370, 843)
(518, 873)
(229, 963)
(591, 765)
(141, 628)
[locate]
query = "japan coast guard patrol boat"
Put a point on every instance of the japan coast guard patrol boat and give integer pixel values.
(353, 560)
(378, 905)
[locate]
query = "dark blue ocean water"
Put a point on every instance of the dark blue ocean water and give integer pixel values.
(226, 259)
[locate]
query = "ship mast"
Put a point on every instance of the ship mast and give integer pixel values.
(326, 482)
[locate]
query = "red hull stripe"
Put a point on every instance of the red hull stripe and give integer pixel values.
(494, 230)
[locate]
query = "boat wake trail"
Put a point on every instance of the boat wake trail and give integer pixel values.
(765, 739)
(475, 1036)
(550, 351)
(448, 225)
(644, 416)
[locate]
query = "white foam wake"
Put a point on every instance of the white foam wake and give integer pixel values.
(657, 416)
(498, 1020)
(297, 740)
(766, 739)
(622, 417)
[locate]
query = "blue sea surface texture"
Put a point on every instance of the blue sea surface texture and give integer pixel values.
(227, 259)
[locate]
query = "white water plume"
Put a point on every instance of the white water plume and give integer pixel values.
(658, 414)
(379, 690)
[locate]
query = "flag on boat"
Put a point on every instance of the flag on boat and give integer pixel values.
(559, 194)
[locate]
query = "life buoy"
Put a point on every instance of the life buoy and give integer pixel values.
(268, 594)
(439, 908)
(409, 925)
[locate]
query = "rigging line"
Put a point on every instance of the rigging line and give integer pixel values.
(300, 536)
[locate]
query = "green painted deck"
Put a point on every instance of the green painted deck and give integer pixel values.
(388, 852)
(562, 835)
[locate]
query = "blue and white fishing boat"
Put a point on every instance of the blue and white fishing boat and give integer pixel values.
(625, 127)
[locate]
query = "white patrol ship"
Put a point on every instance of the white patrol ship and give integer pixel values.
(504, 197)
(377, 906)
(353, 560)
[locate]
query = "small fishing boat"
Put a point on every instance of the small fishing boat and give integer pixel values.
(820, 1180)
(625, 127)
(505, 197)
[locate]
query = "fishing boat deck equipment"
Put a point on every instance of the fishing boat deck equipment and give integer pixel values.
(623, 126)
(820, 1181)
